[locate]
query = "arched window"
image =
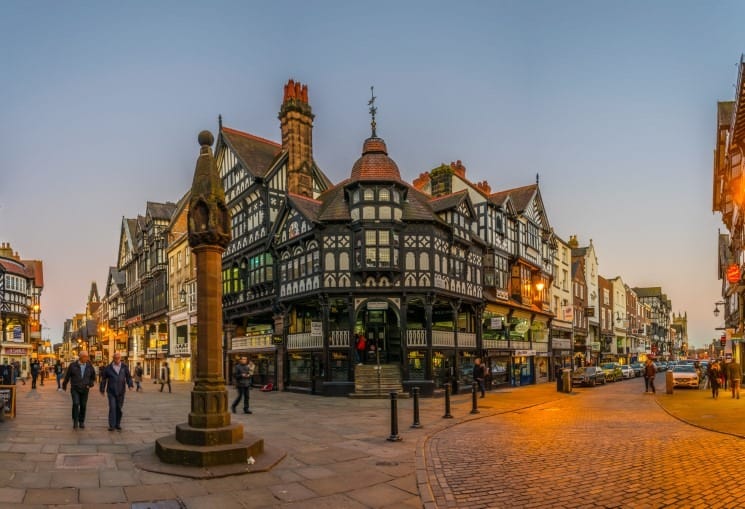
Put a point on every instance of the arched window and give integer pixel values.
(329, 262)
(368, 195)
(423, 261)
(384, 195)
(410, 261)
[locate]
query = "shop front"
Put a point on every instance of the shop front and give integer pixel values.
(17, 354)
(257, 343)
(180, 352)
(523, 368)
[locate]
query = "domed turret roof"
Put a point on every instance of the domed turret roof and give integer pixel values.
(375, 163)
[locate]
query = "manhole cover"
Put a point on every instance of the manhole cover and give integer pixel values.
(85, 461)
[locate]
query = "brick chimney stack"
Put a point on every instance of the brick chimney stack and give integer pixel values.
(296, 125)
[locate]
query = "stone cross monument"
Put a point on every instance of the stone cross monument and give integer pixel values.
(208, 438)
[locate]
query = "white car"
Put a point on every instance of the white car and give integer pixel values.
(684, 375)
(628, 371)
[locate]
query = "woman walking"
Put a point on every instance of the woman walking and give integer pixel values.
(714, 374)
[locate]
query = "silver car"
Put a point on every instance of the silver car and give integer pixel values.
(685, 375)
(628, 371)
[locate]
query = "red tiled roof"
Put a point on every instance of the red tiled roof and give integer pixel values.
(375, 163)
(520, 196)
(19, 268)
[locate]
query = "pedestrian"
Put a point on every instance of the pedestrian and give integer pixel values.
(479, 374)
(165, 376)
(16, 374)
(138, 377)
(114, 382)
(242, 374)
(35, 367)
(650, 371)
(360, 347)
(734, 373)
(6, 373)
(58, 373)
(81, 376)
(715, 375)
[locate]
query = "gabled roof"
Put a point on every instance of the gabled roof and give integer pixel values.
(724, 113)
(333, 205)
(448, 201)
(308, 207)
(257, 154)
(160, 210)
(652, 291)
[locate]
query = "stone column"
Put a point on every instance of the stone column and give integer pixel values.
(209, 438)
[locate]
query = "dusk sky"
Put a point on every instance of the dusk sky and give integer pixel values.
(612, 103)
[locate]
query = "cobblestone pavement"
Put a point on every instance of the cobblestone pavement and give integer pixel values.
(605, 447)
(337, 452)
(521, 450)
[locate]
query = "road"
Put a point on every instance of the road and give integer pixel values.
(610, 446)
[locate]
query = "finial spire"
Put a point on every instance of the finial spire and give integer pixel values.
(537, 178)
(373, 110)
(219, 121)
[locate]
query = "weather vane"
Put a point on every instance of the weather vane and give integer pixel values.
(373, 110)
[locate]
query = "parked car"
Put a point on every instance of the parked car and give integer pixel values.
(612, 371)
(684, 375)
(628, 371)
(588, 375)
(638, 368)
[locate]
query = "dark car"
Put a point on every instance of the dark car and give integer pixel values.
(589, 375)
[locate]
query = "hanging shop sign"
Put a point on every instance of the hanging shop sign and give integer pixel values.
(733, 273)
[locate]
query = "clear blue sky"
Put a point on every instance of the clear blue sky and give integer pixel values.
(613, 103)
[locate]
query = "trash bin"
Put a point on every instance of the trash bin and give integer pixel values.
(566, 378)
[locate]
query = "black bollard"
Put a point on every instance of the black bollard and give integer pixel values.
(415, 393)
(447, 402)
(474, 404)
(394, 418)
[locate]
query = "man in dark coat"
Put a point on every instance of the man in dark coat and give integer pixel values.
(81, 376)
(114, 382)
(35, 370)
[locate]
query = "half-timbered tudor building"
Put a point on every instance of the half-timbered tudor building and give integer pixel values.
(313, 264)
(518, 269)
(21, 284)
(154, 281)
(114, 336)
(129, 263)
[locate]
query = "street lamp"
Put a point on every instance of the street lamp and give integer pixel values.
(182, 295)
(716, 307)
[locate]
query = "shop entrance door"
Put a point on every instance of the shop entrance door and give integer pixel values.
(375, 334)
